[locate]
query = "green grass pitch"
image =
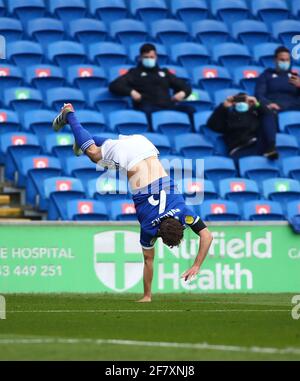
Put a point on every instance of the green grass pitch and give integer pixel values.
(172, 327)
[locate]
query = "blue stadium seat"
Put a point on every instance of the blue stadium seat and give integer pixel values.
(229, 11)
(22, 99)
(285, 30)
(128, 122)
(189, 11)
(192, 186)
(199, 99)
(296, 9)
(246, 77)
(270, 11)
(193, 146)
(219, 210)
(217, 168)
(39, 122)
(108, 10)
(117, 71)
(45, 30)
(149, 11)
(189, 55)
(9, 121)
(286, 145)
(32, 165)
(37, 169)
(281, 190)
(16, 138)
(68, 10)
(258, 168)
(231, 55)
(92, 120)
(171, 123)
(200, 120)
(24, 53)
(177, 167)
(107, 188)
(107, 54)
(26, 10)
(87, 31)
(161, 142)
(289, 122)
(58, 191)
(10, 29)
(264, 54)
(10, 76)
(169, 32)
(66, 53)
(291, 167)
(14, 147)
(211, 77)
(179, 71)
(45, 77)
(59, 145)
(250, 32)
(210, 32)
(134, 53)
(123, 210)
(220, 148)
(87, 210)
(263, 211)
(80, 167)
(293, 209)
(86, 77)
(239, 190)
(106, 102)
(2, 8)
(128, 31)
(221, 95)
(58, 96)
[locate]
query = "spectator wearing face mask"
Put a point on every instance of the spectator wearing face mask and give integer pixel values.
(153, 88)
(279, 88)
(240, 120)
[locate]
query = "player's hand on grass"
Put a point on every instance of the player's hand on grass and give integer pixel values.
(136, 96)
(145, 299)
(191, 273)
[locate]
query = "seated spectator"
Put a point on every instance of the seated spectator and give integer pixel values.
(240, 118)
(279, 88)
(150, 86)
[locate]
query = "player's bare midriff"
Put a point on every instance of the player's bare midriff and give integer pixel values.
(146, 172)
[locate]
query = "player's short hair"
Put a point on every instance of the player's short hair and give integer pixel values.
(147, 48)
(171, 231)
(281, 49)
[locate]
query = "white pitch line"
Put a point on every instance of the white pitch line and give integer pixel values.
(200, 346)
(133, 311)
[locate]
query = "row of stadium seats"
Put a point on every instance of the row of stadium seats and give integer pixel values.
(24, 156)
(166, 31)
(64, 54)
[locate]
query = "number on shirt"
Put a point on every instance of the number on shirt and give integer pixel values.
(161, 202)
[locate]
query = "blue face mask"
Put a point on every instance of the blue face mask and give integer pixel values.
(242, 107)
(284, 65)
(149, 63)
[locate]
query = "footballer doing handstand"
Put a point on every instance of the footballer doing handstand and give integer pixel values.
(160, 209)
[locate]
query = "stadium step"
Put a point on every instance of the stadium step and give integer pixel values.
(9, 212)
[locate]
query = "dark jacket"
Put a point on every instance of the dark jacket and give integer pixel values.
(273, 87)
(153, 84)
(238, 128)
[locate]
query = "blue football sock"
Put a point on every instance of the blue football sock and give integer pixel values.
(82, 137)
(98, 140)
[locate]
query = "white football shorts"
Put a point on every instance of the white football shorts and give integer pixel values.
(127, 151)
